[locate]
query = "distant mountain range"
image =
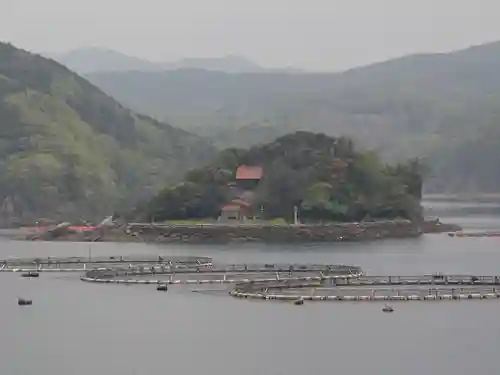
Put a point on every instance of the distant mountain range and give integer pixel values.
(93, 59)
(437, 106)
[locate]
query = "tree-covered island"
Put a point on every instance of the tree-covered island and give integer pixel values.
(314, 176)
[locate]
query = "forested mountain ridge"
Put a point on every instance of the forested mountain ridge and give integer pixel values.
(325, 177)
(67, 150)
(471, 166)
(422, 105)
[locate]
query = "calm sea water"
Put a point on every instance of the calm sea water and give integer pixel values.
(76, 328)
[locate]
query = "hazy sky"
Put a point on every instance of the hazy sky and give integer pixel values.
(314, 34)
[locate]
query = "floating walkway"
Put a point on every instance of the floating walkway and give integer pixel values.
(230, 274)
(284, 281)
(437, 296)
(379, 288)
(82, 264)
(473, 234)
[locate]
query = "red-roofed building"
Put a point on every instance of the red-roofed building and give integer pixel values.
(248, 172)
(248, 177)
(237, 209)
(242, 190)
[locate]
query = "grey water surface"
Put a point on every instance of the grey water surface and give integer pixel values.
(77, 328)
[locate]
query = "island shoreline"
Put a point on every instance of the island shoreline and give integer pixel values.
(248, 233)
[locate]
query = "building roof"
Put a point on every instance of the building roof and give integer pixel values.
(235, 204)
(230, 207)
(248, 172)
(240, 202)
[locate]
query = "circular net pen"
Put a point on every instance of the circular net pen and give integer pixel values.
(81, 264)
(220, 274)
(376, 288)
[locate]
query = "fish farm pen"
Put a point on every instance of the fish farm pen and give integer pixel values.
(273, 282)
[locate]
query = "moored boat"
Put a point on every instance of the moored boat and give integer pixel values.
(24, 302)
(299, 301)
(30, 274)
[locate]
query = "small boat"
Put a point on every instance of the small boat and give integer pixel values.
(387, 308)
(30, 274)
(162, 288)
(299, 301)
(23, 302)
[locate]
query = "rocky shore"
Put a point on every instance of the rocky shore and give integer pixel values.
(274, 233)
(436, 226)
(227, 233)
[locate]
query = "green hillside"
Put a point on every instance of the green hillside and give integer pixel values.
(470, 166)
(421, 105)
(67, 150)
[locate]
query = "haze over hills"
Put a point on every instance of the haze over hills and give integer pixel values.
(93, 59)
(87, 60)
(68, 151)
(421, 105)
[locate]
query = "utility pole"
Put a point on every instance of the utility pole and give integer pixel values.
(295, 215)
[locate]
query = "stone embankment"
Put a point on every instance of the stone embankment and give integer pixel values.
(231, 233)
(220, 233)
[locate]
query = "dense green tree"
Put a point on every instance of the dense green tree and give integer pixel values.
(324, 177)
(68, 151)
